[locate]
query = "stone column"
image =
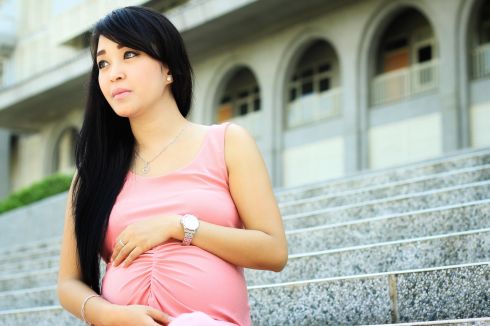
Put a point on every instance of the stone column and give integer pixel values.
(449, 57)
(4, 163)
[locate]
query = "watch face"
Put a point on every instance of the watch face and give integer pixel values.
(191, 222)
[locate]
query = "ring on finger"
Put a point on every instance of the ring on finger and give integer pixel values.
(121, 242)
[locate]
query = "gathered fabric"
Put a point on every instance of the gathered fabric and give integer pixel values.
(187, 282)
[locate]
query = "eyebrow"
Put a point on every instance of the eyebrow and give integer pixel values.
(101, 52)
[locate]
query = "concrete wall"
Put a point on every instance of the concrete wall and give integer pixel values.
(34, 157)
(38, 221)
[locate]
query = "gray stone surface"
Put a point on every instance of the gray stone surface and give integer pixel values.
(382, 176)
(366, 299)
(400, 204)
(36, 245)
(429, 252)
(369, 230)
(444, 294)
(26, 265)
(41, 220)
(471, 216)
(30, 255)
(45, 316)
(27, 280)
(449, 322)
(35, 297)
(337, 302)
(448, 179)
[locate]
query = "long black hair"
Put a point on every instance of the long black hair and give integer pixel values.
(105, 146)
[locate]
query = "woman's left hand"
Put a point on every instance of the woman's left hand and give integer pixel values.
(142, 236)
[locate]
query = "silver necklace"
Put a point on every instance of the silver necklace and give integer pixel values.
(146, 167)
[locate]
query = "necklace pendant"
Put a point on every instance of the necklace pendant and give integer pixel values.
(146, 168)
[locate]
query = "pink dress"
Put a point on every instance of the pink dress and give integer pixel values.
(189, 283)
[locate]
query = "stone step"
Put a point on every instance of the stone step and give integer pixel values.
(36, 263)
(27, 280)
(39, 316)
(450, 292)
(27, 298)
(369, 177)
(32, 254)
(447, 179)
(448, 322)
(470, 216)
(436, 221)
(457, 248)
(47, 316)
(31, 245)
(439, 221)
(33, 279)
(393, 205)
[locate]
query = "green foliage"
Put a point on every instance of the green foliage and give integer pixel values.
(49, 186)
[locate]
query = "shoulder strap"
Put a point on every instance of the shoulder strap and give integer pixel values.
(216, 150)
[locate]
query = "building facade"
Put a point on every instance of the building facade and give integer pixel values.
(327, 88)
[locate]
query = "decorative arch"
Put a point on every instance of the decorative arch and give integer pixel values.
(375, 26)
(242, 101)
(473, 132)
(375, 36)
(470, 18)
(53, 153)
(219, 80)
(293, 51)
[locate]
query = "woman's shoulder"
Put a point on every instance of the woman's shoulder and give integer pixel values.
(240, 147)
(232, 130)
(237, 134)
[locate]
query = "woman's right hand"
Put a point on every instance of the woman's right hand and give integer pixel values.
(139, 315)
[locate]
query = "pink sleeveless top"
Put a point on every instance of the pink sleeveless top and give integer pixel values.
(173, 278)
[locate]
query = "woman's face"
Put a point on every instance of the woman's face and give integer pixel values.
(130, 80)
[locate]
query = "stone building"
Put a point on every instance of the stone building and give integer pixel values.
(327, 88)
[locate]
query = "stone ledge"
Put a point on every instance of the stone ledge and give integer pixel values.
(368, 299)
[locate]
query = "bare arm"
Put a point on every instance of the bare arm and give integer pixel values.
(72, 292)
(262, 244)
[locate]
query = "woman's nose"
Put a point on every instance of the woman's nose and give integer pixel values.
(116, 73)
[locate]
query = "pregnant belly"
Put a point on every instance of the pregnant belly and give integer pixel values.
(178, 279)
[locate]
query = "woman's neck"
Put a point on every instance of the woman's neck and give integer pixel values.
(157, 127)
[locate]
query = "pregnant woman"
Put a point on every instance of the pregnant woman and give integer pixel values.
(175, 209)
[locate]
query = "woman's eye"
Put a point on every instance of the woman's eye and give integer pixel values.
(101, 64)
(130, 54)
(127, 55)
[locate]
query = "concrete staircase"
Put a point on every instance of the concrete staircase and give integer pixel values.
(407, 245)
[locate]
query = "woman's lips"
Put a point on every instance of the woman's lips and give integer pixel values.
(121, 95)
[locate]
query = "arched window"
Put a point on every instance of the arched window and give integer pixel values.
(240, 101)
(2, 77)
(314, 86)
(481, 51)
(64, 153)
(406, 59)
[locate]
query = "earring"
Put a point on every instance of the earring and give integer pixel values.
(169, 78)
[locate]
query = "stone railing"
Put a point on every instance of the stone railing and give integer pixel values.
(313, 107)
(406, 82)
(481, 61)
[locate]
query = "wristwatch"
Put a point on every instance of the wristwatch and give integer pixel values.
(190, 223)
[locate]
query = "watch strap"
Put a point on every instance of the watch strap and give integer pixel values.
(188, 235)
